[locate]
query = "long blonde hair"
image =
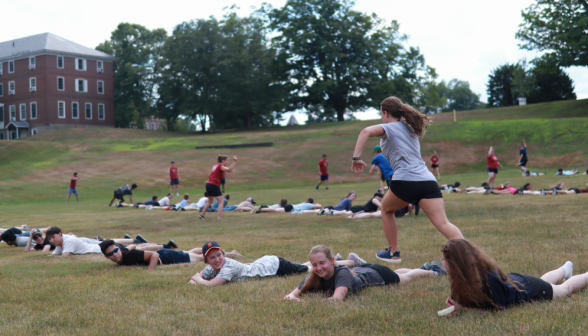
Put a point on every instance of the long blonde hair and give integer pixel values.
(313, 281)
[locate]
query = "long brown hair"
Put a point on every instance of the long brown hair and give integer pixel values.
(313, 281)
(468, 272)
(404, 112)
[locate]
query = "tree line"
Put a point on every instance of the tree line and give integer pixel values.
(317, 56)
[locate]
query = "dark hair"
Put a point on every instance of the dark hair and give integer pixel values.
(105, 245)
(560, 169)
(186, 196)
(310, 200)
(457, 184)
(227, 197)
(283, 202)
(324, 155)
(406, 113)
(52, 231)
(526, 185)
(134, 185)
(154, 197)
(173, 162)
(222, 157)
(378, 194)
(485, 184)
(528, 173)
(169, 194)
(75, 174)
(8, 236)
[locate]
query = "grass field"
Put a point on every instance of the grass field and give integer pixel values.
(91, 295)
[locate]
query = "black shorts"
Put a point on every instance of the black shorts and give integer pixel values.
(287, 268)
(541, 290)
(174, 181)
(170, 257)
(222, 181)
(288, 207)
(382, 177)
(357, 209)
(389, 180)
(325, 177)
(415, 191)
(523, 163)
(492, 170)
(434, 166)
(390, 277)
(213, 190)
(118, 196)
(576, 190)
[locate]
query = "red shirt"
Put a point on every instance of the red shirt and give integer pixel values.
(323, 167)
(216, 174)
(492, 161)
(500, 188)
(434, 159)
(73, 183)
(173, 173)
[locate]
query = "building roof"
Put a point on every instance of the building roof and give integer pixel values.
(19, 124)
(47, 43)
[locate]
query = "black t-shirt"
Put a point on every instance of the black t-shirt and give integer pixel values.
(502, 293)
(134, 257)
(341, 278)
(370, 206)
(46, 242)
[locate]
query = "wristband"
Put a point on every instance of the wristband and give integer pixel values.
(356, 158)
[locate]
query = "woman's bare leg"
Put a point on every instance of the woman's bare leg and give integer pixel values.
(414, 274)
(208, 204)
(391, 203)
(195, 257)
(272, 210)
(221, 203)
(491, 178)
(365, 215)
(149, 247)
(434, 208)
(572, 285)
(555, 276)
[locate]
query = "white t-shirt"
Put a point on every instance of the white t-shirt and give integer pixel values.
(233, 270)
(164, 201)
(75, 245)
(201, 202)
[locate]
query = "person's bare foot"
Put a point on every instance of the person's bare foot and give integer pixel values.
(237, 254)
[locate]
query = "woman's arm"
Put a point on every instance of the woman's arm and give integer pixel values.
(198, 280)
(499, 165)
(46, 248)
(230, 169)
(364, 135)
(340, 294)
(28, 248)
(376, 202)
(294, 295)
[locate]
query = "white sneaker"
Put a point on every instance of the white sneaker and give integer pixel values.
(115, 205)
(338, 256)
(149, 207)
(26, 227)
(569, 268)
(177, 194)
(356, 259)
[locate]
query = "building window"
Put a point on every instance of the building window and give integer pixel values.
(23, 111)
(60, 84)
(80, 64)
(33, 110)
(81, 85)
(11, 87)
(61, 109)
(101, 111)
(99, 66)
(153, 126)
(10, 66)
(34, 131)
(101, 87)
(12, 110)
(88, 110)
(60, 62)
(1, 135)
(32, 62)
(33, 84)
(1, 114)
(146, 126)
(75, 110)
(1, 89)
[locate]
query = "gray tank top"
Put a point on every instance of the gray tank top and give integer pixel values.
(403, 149)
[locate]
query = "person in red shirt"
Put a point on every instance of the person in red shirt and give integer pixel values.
(213, 184)
(435, 163)
(492, 166)
(323, 172)
(174, 179)
(73, 188)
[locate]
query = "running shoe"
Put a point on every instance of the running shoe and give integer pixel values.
(115, 205)
(327, 188)
(98, 238)
(127, 236)
(438, 268)
(141, 239)
(321, 212)
(356, 259)
(569, 268)
(316, 186)
(331, 212)
(149, 207)
(177, 194)
(136, 205)
(387, 256)
(26, 227)
(447, 189)
(201, 217)
(487, 191)
(172, 244)
(426, 266)
(178, 208)
(554, 192)
(338, 256)
(119, 206)
(542, 192)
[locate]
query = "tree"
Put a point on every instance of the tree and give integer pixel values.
(339, 59)
(460, 96)
(551, 83)
(558, 26)
(500, 86)
(137, 51)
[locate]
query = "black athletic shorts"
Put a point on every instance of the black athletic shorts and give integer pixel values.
(357, 209)
(415, 191)
(382, 177)
(492, 170)
(223, 181)
(576, 190)
(541, 290)
(523, 163)
(287, 268)
(288, 207)
(213, 190)
(118, 196)
(390, 277)
(434, 165)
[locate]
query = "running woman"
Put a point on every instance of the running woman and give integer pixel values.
(523, 157)
(492, 166)
(477, 282)
(73, 188)
(412, 182)
(385, 167)
(174, 179)
(323, 172)
(213, 184)
(435, 163)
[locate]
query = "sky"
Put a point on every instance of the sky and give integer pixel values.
(461, 39)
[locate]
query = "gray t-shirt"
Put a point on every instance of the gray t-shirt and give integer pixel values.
(402, 148)
(235, 271)
(23, 241)
(343, 277)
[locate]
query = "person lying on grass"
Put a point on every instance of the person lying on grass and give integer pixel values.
(221, 270)
(337, 280)
(530, 173)
(282, 204)
(294, 209)
(117, 253)
(477, 281)
(449, 188)
(370, 207)
(477, 190)
(14, 237)
(571, 191)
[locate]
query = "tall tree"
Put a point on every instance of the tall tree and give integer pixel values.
(336, 55)
(460, 96)
(137, 50)
(558, 26)
(500, 86)
(551, 83)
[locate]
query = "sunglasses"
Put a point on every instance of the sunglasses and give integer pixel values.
(111, 253)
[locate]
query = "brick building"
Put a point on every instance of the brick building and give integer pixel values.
(47, 82)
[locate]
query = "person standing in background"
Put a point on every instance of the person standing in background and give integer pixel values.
(73, 188)
(523, 157)
(323, 172)
(435, 163)
(174, 179)
(492, 166)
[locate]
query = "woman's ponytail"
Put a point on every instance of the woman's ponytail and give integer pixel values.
(404, 112)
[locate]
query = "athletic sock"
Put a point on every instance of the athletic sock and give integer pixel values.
(166, 246)
(137, 241)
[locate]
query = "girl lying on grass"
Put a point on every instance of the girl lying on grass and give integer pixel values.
(477, 282)
(337, 280)
(221, 270)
